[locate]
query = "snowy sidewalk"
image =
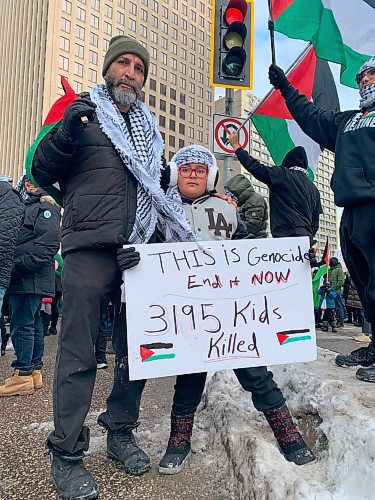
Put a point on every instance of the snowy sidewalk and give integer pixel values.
(235, 454)
(336, 412)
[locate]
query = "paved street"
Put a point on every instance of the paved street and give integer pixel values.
(26, 421)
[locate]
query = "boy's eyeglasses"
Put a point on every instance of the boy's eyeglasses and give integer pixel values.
(367, 72)
(200, 172)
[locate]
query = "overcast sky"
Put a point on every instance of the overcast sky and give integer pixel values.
(287, 50)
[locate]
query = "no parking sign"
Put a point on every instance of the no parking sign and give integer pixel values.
(223, 125)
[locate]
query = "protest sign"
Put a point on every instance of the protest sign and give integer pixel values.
(213, 305)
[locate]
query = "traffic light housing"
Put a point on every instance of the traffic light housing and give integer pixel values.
(232, 44)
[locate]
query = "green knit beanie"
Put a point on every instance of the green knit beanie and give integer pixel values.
(121, 44)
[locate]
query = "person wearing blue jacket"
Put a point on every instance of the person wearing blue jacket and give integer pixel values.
(327, 292)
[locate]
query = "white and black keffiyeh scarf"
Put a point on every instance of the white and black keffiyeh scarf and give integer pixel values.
(367, 96)
(143, 158)
(300, 169)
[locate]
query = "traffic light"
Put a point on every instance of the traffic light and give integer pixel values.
(232, 44)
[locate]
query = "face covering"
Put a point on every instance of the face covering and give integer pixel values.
(367, 96)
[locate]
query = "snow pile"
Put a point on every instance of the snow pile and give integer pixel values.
(240, 441)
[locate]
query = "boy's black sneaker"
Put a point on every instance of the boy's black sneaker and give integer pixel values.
(71, 478)
(364, 356)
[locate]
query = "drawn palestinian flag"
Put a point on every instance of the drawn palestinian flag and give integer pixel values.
(293, 336)
(342, 31)
(156, 351)
(280, 132)
(52, 120)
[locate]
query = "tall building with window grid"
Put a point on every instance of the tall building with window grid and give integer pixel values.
(243, 102)
(40, 40)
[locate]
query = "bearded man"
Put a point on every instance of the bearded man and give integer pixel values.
(351, 136)
(108, 166)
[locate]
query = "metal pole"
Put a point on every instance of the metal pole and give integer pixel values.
(229, 111)
(272, 32)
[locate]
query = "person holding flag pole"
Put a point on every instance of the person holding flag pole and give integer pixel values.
(351, 136)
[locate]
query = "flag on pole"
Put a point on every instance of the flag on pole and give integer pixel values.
(53, 119)
(327, 253)
(342, 31)
(317, 281)
(313, 78)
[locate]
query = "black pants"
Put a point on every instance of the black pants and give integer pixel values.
(354, 314)
(329, 315)
(101, 340)
(90, 279)
(124, 402)
(357, 235)
(55, 309)
(259, 381)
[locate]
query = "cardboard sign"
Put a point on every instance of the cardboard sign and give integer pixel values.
(213, 305)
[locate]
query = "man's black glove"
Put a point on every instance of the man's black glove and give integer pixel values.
(72, 126)
(277, 77)
(127, 258)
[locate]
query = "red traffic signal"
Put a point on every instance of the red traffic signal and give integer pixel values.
(232, 43)
(236, 11)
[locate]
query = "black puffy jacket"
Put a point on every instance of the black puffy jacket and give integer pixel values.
(294, 200)
(99, 193)
(12, 212)
(37, 244)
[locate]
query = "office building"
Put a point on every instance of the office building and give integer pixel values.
(43, 39)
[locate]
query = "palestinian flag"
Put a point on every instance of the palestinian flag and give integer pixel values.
(293, 336)
(317, 281)
(327, 252)
(52, 120)
(342, 31)
(313, 78)
(156, 351)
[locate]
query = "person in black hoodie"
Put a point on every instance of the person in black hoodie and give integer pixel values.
(351, 136)
(32, 278)
(294, 200)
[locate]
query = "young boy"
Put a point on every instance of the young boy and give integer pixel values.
(327, 292)
(193, 174)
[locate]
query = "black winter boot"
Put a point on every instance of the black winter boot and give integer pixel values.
(364, 356)
(4, 341)
(334, 326)
(366, 374)
(325, 326)
(289, 439)
(71, 479)
(178, 449)
(53, 330)
(122, 446)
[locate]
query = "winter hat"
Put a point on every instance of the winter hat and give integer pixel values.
(194, 154)
(333, 262)
(121, 44)
(367, 65)
(296, 157)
